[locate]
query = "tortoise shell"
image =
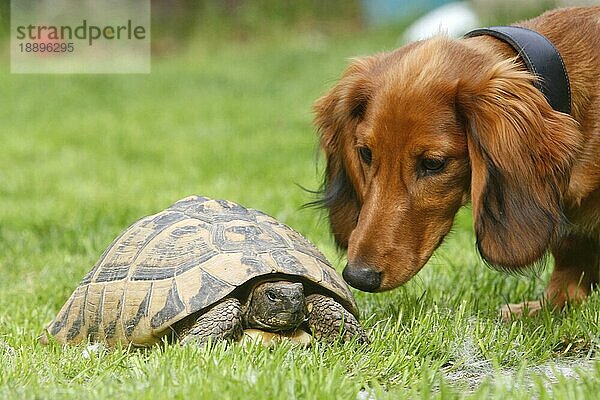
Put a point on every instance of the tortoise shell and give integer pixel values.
(182, 260)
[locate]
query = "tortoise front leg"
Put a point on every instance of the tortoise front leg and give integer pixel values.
(329, 321)
(222, 322)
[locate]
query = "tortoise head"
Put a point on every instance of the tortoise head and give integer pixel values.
(276, 306)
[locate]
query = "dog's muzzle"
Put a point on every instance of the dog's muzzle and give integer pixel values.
(362, 277)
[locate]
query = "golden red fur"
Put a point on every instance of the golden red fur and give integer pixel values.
(412, 135)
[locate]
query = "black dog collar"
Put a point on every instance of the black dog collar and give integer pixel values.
(541, 58)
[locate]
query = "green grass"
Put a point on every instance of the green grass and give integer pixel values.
(82, 157)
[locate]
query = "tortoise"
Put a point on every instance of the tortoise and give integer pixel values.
(208, 270)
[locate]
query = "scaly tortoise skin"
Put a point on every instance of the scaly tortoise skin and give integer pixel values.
(205, 270)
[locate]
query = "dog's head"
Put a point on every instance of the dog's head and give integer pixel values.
(411, 136)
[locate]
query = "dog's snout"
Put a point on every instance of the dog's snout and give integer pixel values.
(362, 277)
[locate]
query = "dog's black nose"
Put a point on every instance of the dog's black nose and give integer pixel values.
(362, 277)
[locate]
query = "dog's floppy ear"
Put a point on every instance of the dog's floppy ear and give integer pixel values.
(336, 116)
(521, 152)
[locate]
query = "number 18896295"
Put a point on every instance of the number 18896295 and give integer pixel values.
(47, 47)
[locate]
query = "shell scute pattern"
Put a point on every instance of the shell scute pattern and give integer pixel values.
(230, 238)
(142, 312)
(209, 289)
(172, 307)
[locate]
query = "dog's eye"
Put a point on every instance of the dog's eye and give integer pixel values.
(432, 166)
(365, 154)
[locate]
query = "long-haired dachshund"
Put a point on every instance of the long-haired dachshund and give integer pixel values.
(412, 135)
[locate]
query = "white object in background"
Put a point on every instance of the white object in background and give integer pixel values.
(92, 349)
(453, 19)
